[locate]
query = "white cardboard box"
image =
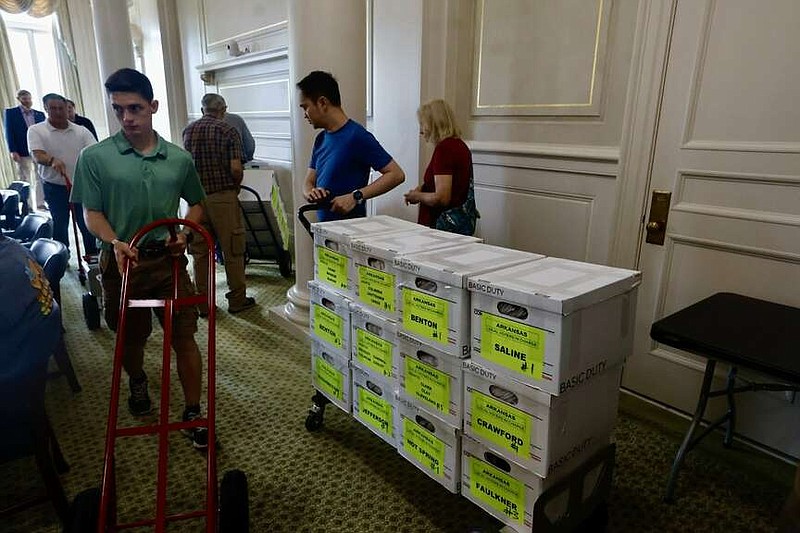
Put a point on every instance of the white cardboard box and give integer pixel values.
(551, 322)
(375, 404)
(429, 444)
(540, 432)
(329, 318)
(442, 275)
(431, 379)
(330, 375)
(373, 342)
(504, 490)
(372, 269)
(332, 246)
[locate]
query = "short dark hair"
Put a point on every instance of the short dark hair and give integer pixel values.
(318, 84)
(52, 96)
(128, 80)
(23, 92)
(70, 102)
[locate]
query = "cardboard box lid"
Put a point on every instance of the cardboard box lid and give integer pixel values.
(407, 242)
(455, 264)
(556, 285)
(346, 230)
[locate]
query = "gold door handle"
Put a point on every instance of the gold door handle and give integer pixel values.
(653, 226)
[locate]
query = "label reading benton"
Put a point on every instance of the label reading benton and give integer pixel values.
(331, 267)
(376, 288)
(425, 383)
(497, 489)
(328, 326)
(329, 380)
(375, 411)
(425, 315)
(517, 347)
(374, 352)
(424, 447)
(501, 424)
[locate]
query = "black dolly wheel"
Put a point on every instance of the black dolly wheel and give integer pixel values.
(91, 311)
(314, 421)
(285, 264)
(85, 512)
(82, 278)
(234, 503)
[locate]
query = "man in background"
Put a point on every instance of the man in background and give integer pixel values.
(16, 121)
(217, 153)
(79, 120)
(238, 123)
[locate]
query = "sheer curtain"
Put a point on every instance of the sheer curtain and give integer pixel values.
(65, 53)
(8, 95)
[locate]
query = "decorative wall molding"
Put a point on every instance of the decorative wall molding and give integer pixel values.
(743, 146)
(246, 38)
(566, 151)
(245, 59)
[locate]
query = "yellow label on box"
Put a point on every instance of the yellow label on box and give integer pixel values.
(376, 288)
(328, 326)
(512, 345)
(280, 215)
(497, 489)
(501, 424)
(425, 383)
(375, 411)
(331, 267)
(425, 315)
(329, 380)
(424, 447)
(374, 352)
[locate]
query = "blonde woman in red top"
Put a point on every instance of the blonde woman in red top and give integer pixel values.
(445, 197)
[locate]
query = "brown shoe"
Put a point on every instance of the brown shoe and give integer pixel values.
(247, 304)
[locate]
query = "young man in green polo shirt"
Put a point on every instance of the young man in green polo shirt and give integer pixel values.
(125, 182)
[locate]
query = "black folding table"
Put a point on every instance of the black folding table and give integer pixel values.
(741, 332)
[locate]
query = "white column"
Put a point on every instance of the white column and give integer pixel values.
(112, 31)
(328, 36)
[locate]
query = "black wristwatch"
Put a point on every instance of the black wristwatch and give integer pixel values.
(359, 196)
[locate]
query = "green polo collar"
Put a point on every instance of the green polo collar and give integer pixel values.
(125, 147)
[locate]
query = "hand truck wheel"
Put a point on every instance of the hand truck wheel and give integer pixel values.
(316, 412)
(234, 503)
(84, 512)
(91, 311)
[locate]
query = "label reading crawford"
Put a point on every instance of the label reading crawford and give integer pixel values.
(374, 352)
(425, 315)
(497, 489)
(501, 424)
(376, 288)
(424, 447)
(517, 347)
(331, 267)
(328, 326)
(329, 380)
(425, 383)
(375, 411)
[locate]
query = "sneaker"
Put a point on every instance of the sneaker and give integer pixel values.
(198, 436)
(139, 401)
(248, 303)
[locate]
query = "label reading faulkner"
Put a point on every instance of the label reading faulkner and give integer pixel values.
(497, 489)
(424, 447)
(501, 424)
(425, 383)
(376, 288)
(517, 347)
(375, 411)
(425, 315)
(329, 380)
(328, 326)
(331, 267)
(374, 352)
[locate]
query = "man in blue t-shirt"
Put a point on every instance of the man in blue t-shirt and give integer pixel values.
(343, 153)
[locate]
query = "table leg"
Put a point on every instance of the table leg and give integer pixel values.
(687, 440)
(731, 408)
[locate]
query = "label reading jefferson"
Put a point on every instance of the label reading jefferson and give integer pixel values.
(512, 345)
(425, 315)
(375, 411)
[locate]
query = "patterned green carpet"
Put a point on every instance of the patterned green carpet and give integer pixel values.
(343, 478)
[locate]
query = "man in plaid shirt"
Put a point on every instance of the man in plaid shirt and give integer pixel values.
(217, 152)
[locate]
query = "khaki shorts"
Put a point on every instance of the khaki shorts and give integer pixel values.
(150, 279)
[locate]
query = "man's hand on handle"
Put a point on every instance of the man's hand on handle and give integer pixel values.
(316, 195)
(122, 253)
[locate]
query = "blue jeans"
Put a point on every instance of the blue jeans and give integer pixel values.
(58, 201)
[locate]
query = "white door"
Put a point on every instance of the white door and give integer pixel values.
(728, 149)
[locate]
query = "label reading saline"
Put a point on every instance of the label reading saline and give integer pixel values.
(376, 288)
(329, 380)
(427, 384)
(424, 447)
(425, 315)
(328, 326)
(501, 424)
(331, 267)
(374, 352)
(517, 347)
(497, 489)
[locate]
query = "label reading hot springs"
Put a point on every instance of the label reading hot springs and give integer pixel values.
(374, 352)
(427, 384)
(331, 267)
(375, 411)
(517, 347)
(328, 326)
(376, 288)
(425, 315)
(497, 489)
(501, 424)
(424, 447)
(329, 380)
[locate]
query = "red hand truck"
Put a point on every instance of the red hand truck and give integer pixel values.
(96, 509)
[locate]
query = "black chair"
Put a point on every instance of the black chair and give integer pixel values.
(9, 211)
(24, 190)
(53, 257)
(33, 226)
